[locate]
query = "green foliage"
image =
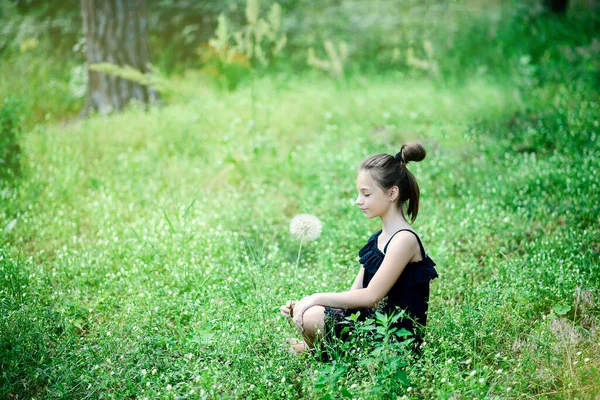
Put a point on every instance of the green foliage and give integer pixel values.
(177, 28)
(30, 329)
(376, 353)
(10, 132)
(222, 61)
(494, 43)
(39, 70)
(232, 54)
(146, 254)
(446, 43)
(157, 243)
(555, 119)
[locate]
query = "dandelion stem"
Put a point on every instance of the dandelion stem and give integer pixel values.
(297, 262)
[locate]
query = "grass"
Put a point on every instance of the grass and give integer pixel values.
(145, 255)
(151, 249)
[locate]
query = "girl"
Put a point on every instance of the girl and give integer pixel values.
(395, 270)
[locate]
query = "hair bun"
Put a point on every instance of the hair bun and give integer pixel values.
(412, 151)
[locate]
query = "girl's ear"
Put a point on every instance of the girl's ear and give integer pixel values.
(394, 193)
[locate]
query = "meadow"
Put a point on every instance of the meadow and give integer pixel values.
(146, 254)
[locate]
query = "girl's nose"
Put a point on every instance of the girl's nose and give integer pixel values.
(358, 201)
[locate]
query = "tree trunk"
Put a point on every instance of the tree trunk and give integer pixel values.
(116, 32)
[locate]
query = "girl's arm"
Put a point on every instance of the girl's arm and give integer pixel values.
(401, 250)
(358, 280)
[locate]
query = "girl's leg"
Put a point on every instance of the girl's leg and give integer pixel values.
(313, 324)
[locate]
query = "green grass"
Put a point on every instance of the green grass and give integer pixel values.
(151, 249)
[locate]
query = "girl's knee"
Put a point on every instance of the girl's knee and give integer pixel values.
(313, 320)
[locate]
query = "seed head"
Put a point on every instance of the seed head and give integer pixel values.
(306, 227)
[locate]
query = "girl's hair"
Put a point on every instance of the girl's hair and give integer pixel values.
(388, 171)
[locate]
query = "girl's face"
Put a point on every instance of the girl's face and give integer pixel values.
(372, 199)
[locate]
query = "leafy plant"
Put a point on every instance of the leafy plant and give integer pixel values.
(232, 52)
(334, 63)
(375, 348)
(428, 63)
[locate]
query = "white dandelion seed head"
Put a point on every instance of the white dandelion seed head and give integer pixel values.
(306, 227)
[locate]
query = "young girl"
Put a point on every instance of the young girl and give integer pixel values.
(395, 270)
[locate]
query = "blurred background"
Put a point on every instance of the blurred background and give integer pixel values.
(43, 44)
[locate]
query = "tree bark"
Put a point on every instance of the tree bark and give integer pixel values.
(116, 32)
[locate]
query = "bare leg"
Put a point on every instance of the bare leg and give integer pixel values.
(312, 327)
(313, 324)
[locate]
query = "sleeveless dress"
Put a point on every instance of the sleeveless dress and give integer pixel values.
(409, 293)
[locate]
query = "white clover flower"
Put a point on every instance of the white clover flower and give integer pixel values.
(306, 228)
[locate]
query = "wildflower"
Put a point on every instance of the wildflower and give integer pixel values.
(305, 228)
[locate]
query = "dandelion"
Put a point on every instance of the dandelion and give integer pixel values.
(305, 228)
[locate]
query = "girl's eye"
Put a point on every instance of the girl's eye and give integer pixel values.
(367, 195)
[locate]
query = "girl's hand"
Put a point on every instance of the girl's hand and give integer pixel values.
(299, 309)
(287, 310)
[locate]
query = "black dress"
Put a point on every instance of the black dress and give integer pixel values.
(409, 293)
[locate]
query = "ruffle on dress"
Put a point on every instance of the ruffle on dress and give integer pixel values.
(415, 273)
